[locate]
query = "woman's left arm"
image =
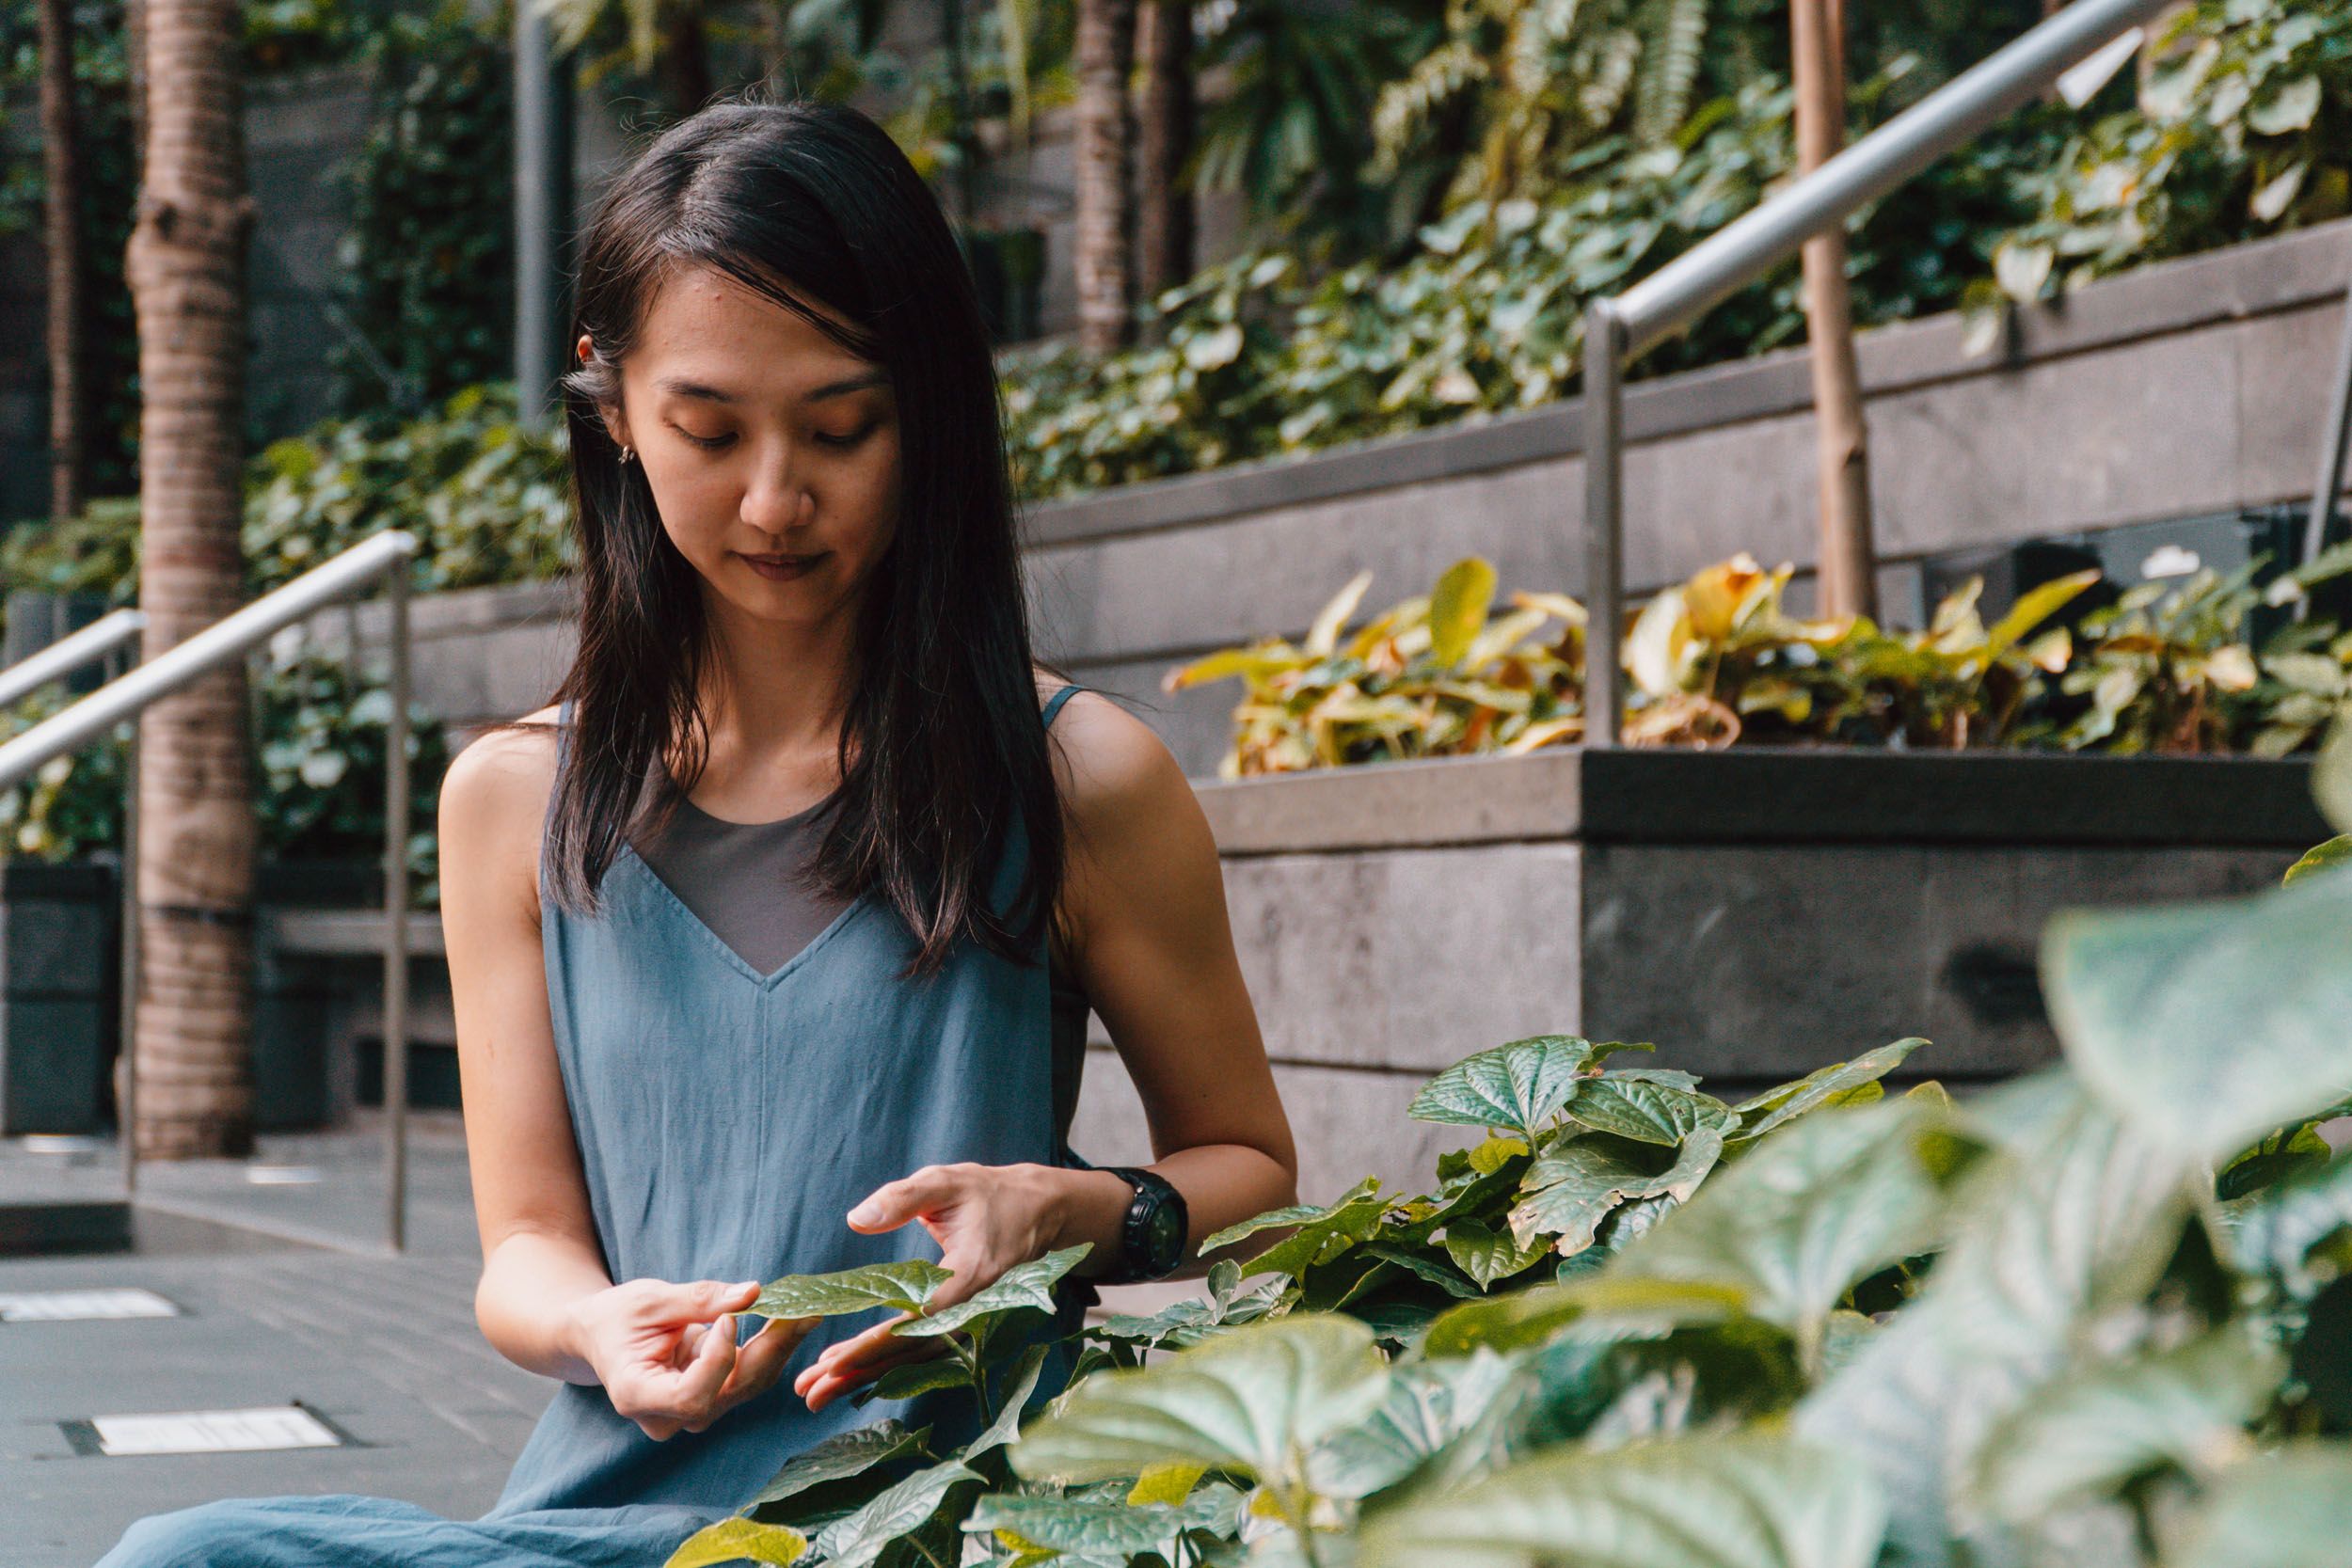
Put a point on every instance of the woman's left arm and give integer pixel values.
(1144, 904)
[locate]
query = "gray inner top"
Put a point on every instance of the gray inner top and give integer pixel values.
(748, 883)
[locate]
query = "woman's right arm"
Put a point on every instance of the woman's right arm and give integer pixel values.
(539, 1255)
(544, 1301)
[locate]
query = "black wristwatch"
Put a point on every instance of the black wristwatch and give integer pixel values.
(1151, 1239)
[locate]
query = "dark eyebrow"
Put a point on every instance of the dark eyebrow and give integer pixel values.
(680, 387)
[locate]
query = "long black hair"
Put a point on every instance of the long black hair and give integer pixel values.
(941, 748)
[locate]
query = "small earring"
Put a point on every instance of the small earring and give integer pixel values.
(629, 455)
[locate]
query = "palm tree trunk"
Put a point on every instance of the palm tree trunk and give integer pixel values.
(1163, 229)
(60, 157)
(185, 265)
(1105, 53)
(1849, 567)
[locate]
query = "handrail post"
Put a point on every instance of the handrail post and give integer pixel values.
(1604, 521)
(396, 796)
(127, 1005)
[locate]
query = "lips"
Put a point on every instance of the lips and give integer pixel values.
(781, 568)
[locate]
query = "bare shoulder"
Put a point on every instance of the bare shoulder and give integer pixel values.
(493, 800)
(504, 771)
(1113, 768)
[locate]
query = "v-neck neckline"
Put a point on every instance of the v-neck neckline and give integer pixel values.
(735, 960)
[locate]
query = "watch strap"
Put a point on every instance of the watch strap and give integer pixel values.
(1152, 1191)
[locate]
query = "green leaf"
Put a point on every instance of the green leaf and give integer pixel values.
(1025, 1285)
(2293, 107)
(2336, 851)
(1457, 608)
(2207, 1024)
(2072, 1217)
(902, 1285)
(1321, 1239)
(1487, 1255)
(1517, 1087)
(858, 1539)
(1647, 1112)
(1112, 1531)
(1011, 1402)
(1430, 1403)
(1252, 1399)
(1747, 1500)
(1574, 1184)
(2278, 1231)
(2095, 1428)
(2290, 1509)
(841, 1456)
(905, 1381)
(1798, 1222)
(1519, 1319)
(1824, 1085)
(1299, 1214)
(740, 1541)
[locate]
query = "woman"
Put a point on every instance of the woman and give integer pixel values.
(772, 940)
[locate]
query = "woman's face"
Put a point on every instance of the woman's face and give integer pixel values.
(772, 453)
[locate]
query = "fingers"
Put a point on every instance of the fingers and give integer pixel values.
(892, 1204)
(760, 1361)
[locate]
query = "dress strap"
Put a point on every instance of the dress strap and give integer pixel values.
(1054, 703)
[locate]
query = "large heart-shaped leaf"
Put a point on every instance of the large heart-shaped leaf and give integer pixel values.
(1748, 1501)
(841, 1456)
(1576, 1182)
(902, 1285)
(1795, 1223)
(1646, 1112)
(1024, 1285)
(858, 1539)
(1252, 1399)
(1430, 1404)
(1517, 1087)
(2092, 1430)
(2291, 1508)
(2073, 1217)
(1827, 1085)
(2207, 1024)
(740, 1541)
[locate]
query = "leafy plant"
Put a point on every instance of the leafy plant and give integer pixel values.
(1910, 1332)
(1718, 660)
(2241, 130)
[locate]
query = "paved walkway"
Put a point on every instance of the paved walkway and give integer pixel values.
(286, 1295)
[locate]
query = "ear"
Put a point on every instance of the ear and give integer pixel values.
(615, 422)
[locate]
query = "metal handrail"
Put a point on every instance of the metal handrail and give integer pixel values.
(1621, 325)
(69, 654)
(218, 645)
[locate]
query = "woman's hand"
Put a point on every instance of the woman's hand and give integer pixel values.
(985, 1219)
(666, 1354)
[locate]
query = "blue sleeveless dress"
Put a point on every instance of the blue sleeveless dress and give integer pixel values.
(727, 1120)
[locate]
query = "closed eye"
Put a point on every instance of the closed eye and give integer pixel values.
(709, 443)
(848, 440)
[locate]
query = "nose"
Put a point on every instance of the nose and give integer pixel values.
(776, 503)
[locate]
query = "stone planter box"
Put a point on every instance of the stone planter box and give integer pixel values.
(61, 959)
(1756, 914)
(58, 990)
